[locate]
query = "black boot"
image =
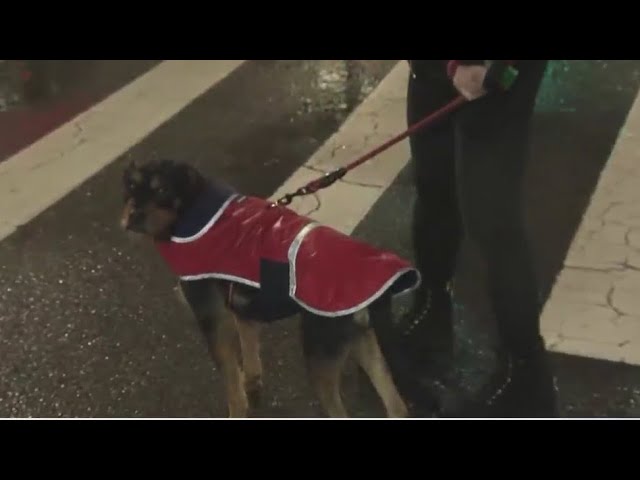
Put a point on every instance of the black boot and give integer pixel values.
(419, 349)
(523, 386)
(425, 333)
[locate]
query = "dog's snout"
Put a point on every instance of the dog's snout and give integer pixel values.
(136, 220)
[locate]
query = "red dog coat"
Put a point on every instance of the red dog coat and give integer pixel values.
(232, 237)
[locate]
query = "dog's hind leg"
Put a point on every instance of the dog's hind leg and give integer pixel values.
(252, 365)
(368, 355)
(326, 346)
(325, 373)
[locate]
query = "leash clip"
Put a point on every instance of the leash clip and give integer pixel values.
(325, 181)
(288, 198)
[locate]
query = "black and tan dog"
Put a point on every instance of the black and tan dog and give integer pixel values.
(243, 262)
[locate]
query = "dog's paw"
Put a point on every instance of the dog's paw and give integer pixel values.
(401, 412)
(239, 408)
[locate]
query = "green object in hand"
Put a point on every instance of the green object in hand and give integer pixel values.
(508, 78)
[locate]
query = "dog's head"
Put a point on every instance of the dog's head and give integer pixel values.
(156, 194)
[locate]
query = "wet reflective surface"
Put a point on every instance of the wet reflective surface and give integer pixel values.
(89, 324)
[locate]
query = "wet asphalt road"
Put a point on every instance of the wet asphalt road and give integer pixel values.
(89, 323)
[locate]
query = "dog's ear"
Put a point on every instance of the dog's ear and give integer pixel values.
(134, 163)
(132, 173)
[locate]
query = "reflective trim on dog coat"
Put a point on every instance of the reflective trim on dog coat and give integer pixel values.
(245, 240)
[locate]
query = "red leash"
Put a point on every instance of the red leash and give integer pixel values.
(508, 76)
(330, 178)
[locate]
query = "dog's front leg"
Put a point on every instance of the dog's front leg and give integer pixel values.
(224, 346)
(219, 328)
(252, 365)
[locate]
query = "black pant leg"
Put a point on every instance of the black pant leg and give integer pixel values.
(436, 224)
(492, 147)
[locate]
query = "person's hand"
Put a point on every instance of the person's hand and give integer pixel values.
(469, 80)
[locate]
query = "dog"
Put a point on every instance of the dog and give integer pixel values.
(243, 262)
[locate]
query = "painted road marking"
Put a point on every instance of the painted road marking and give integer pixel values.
(379, 117)
(44, 172)
(594, 307)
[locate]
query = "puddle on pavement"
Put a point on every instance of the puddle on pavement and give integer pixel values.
(338, 86)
